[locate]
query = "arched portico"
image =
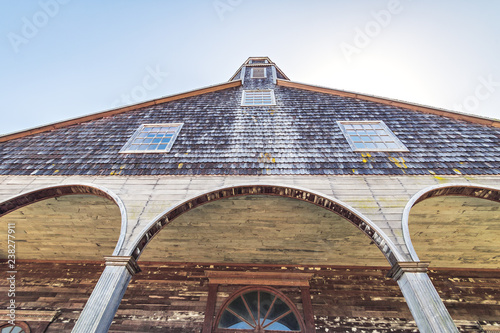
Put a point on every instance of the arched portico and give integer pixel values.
(413, 280)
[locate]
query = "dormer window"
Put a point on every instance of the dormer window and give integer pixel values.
(258, 73)
(258, 97)
(153, 138)
(370, 136)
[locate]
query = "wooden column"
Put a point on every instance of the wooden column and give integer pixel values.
(210, 309)
(424, 302)
(98, 313)
(307, 306)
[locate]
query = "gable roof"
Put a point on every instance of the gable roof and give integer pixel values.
(298, 135)
(235, 83)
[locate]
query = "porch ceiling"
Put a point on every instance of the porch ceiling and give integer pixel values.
(74, 227)
(460, 232)
(265, 230)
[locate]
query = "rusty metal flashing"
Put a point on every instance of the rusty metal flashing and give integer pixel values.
(120, 110)
(387, 101)
(464, 191)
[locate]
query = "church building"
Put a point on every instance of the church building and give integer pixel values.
(258, 205)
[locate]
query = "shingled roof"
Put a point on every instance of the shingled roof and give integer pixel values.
(298, 135)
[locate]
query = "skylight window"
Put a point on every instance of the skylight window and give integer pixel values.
(370, 136)
(152, 138)
(258, 97)
(258, 73)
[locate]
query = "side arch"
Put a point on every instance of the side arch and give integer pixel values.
(467, 190)
(27, 198)
(378, 237)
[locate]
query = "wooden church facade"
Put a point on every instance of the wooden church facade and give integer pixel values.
(256, 205)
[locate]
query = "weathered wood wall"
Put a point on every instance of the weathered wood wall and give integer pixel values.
(172, 297)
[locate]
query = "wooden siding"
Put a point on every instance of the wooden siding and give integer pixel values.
(172, 297)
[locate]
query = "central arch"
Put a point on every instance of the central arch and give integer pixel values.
(356, 218)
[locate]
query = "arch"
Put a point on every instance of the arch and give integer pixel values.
(378, 237)
(467, 190)
(27, 198)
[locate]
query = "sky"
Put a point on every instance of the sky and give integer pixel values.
(62, 59)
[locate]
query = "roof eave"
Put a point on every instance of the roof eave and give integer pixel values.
(107, 113)
(397, 103)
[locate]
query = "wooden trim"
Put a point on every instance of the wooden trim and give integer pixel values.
(127, 261)
(210, 308)
(259, 278)
(399, 268)
(307, 307)
(395, 103)
(113, 112)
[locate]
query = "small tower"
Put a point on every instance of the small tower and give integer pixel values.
(258, 73)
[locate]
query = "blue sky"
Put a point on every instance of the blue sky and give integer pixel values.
(66, 58)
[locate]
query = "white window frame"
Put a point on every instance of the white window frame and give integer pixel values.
(245, 92)
(394, 139)
(125, 148)
(258, 77)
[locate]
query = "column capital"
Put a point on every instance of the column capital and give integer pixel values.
(127, 261)
(401, 267)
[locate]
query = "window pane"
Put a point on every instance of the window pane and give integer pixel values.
(266, 299)
(370, 145)
(279, 308)
(239, 308)
(359, 145)
(391, 145)
(251, 299)
(290, 321)
(228, 320)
